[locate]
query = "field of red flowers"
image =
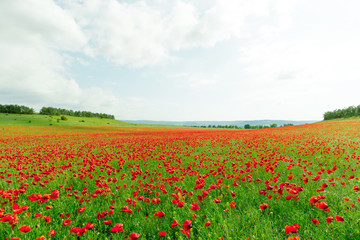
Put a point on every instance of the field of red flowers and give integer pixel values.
(298, 182)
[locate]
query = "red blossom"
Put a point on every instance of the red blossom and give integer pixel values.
(162, 233)
(195, 206)
(117, 228)
(291, 229)
(339, 218)
(134, 236)
(329, 219)
(315, 221)
(81, 209)
(66, 222)
(174, 223)
(24, 228)
(159, 214)
(264, 206)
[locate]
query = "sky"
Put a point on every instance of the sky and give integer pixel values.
(182, 60)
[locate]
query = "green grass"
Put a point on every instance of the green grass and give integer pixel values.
(342, 119)
(70, 158)
(46, 120)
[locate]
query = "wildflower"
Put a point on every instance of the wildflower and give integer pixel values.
(117, 228)
(81, 209)
(159, 214)
(66, 222)
(339, 218)
(24, 228)
(315, 221)
(162, 233)
(329, 219)
(186, 227)
(51, 233)
(174, 223)
(134, 236)
(291, 229)
(194, 206)
(264, 206)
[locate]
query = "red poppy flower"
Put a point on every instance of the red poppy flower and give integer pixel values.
(134, 236)
(66, 222)
(322, 205)
(207, 223)
(186, 228)
(24, 228)
(195, 206)
(232, 204)
(89, 226)
(329, 219)
(126, 209)
(81, 209)
(75, 229)
(315, 221)
(78, 231)
(162, 233)
(187, 225)
(294, 238)
(47, 219)
(159, 214)
(264, 206)
(339, 218)
(174, 223)
(291, 229)
(107, 221)
(51, 233)
(117, 228)
(180, 204)
(15, 206)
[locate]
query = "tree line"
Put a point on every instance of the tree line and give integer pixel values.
(62, 111)
(20, 109)
(246, 126)
(220, 126)
(351, 111)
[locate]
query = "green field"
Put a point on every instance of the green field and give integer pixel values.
(134, 182)
(45, 120)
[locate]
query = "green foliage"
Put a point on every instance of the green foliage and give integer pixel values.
(351, 111)
(246, 126)
(61, 111)
(220, 126)
(63, 117)
(45, 120)
(18, 109)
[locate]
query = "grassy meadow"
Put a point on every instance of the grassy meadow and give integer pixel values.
(107, 179)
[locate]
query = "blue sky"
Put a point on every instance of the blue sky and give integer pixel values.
(182, 60)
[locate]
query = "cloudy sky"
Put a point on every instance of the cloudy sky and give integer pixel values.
(182, 59)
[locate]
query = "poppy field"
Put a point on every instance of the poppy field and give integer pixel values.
(64, 182)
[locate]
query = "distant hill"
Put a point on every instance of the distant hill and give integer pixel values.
(9, 119)
(237, 123)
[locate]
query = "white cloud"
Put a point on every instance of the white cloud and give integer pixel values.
(311, 75)
(38, 37)
(140, 33)
(39, 23)
(33, 36)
